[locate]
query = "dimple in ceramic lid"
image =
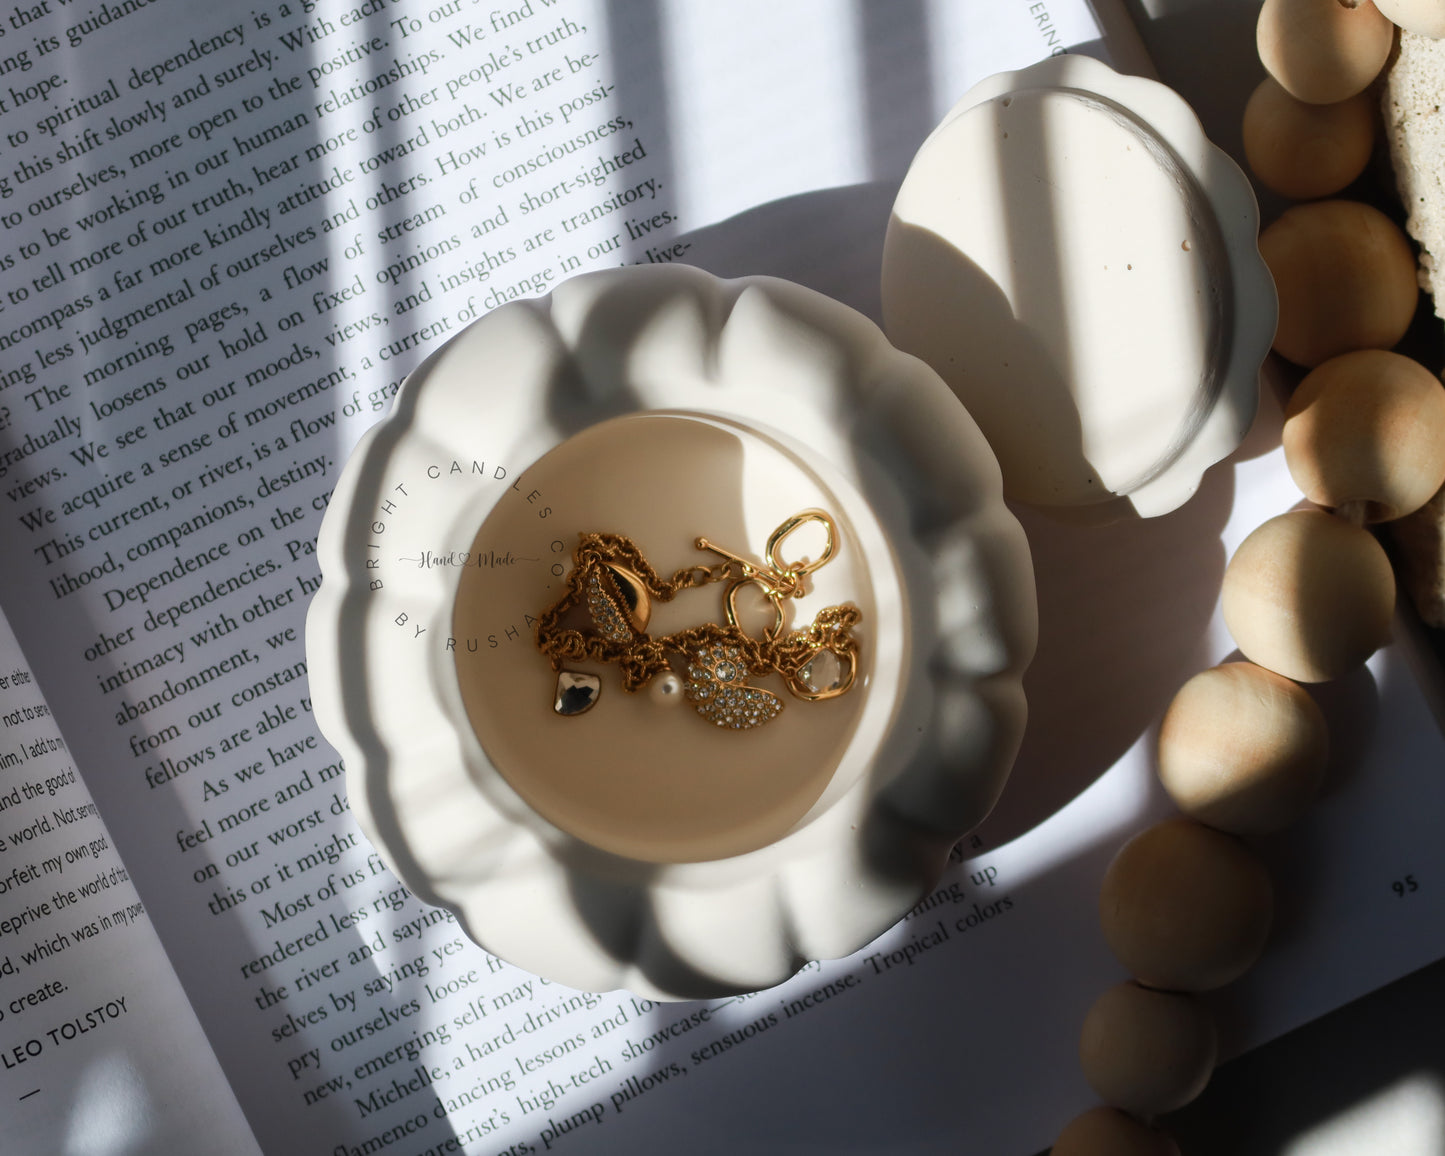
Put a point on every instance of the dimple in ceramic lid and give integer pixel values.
(1079, 263)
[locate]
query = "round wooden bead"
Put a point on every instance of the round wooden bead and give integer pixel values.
(1319, 50)
(1185, 907)
(1309, 596)
(1109, 1132)
(1367, 430)
(1345, 276)
(1242, 749)
(1422, 17)
(1147, 1051)
(1303, 151)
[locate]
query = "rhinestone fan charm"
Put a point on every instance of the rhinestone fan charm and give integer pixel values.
(717, 687)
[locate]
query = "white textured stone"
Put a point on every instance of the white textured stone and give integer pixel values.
(1416, 134)
(1415, 129)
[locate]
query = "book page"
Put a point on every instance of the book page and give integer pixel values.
(228, 237)
(99, 1048)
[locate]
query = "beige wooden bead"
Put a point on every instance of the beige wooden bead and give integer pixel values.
(1422, 17)
(1321, 51)
(1109, 1132)
(1309, 596)
(1242, 749)
(1185, 907)
(1365, 432)
(1303, 151)
(1345, 274)
(1147, 1051)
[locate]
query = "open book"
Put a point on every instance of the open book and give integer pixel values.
(227, 235)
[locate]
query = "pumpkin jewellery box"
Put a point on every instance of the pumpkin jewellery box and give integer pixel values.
(673, 628)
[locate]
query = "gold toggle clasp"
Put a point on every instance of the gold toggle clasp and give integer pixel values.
(796, 570)
(730, 607)
(780, 579)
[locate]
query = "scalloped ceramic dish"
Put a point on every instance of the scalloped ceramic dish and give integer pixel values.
(673, 404)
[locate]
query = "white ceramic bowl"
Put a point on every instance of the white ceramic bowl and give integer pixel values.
(802, 380)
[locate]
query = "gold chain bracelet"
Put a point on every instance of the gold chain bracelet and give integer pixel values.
(616, 586)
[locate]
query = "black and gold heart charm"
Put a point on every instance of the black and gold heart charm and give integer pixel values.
(717, 686)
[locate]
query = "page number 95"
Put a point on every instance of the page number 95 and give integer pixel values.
(1403, 887)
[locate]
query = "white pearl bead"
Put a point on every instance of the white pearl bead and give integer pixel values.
(665, 689)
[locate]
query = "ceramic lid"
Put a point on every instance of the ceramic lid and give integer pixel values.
(1079, 263)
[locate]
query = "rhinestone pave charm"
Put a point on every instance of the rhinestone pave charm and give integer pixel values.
(618, 601)
(717, 687)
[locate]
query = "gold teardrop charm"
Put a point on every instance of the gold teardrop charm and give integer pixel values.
(618, 601)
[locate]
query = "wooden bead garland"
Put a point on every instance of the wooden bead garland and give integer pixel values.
(1258, 773)
(1109, 1132)
(1261, 776)
(1345, 275)
(1422, 17)
(1365, 433)
(1303, 151)
(1309, 596)
(1147, 1051)
(1321, 51)
(1185, 907)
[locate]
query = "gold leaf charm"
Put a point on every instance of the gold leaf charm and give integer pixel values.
(717, 687)
(618, 601)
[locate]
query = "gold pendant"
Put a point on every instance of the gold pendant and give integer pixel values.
(717, 686)
(828, 674)
(577, 693)
(618, 601)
